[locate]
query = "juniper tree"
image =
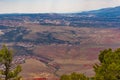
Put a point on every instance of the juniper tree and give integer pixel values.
(74, 76)
(9, 71)
(109, 67)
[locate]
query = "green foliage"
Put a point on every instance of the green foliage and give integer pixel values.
(10, 71)
(109, 67)
(74, 76)
(65, 77)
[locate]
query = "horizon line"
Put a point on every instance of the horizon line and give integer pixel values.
(55, 12)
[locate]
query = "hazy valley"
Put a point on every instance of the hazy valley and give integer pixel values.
(55, 44)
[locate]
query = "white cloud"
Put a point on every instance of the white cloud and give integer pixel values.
(18, 6)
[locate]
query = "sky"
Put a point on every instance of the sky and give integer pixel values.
(54, 6)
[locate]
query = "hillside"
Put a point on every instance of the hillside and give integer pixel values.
(113, 12)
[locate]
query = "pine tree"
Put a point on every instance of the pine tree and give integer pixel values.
(10, 71)
(109, 67)
(74, 76)
(65, 77)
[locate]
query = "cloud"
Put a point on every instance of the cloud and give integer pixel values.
(28, 6)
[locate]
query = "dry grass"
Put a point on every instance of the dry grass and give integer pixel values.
(33, 68)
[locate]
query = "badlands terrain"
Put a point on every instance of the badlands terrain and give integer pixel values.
(49, 45)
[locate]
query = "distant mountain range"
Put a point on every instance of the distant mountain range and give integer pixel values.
(106, 12)
(107, 17)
